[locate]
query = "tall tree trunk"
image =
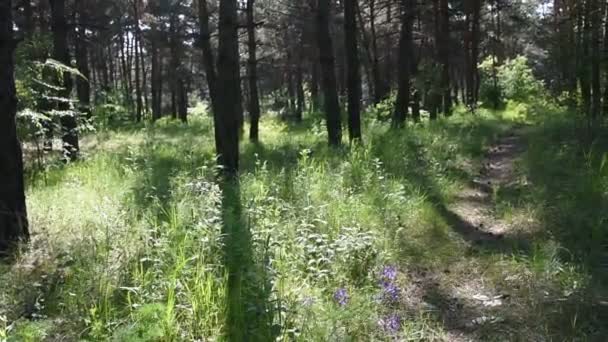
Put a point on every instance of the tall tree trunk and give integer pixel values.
(379, 86)
(314, 84)
(136, 42)
(125, 69)
(155, 78)
(583, 68)
(228, 79)
(405, 51)
(13, 216)
(301, 101)
(596, 90)
(252, 70)
(475, 37)
(144, 74)
(444, 55)
(605, 100)
(353, 70)
(210, 72)
(182, 101)
(289, 81)
(329, 85)
(174, 65)
(83, 88)
(61, 54)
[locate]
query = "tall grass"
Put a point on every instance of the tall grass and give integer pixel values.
(139, 242)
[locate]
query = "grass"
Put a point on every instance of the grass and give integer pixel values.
(139, 242)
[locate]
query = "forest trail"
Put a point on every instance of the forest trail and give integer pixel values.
(474, 206)
(470, 307)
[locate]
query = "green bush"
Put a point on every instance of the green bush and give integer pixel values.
(515, 81)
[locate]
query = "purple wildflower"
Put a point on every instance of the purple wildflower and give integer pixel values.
(389, 273)
(390, 292)
(341, 296)
(390, 324)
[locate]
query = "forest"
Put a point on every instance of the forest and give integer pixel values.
(312, 170)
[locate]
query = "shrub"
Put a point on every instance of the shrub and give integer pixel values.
(515, 81)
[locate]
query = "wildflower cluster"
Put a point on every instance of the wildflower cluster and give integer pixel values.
(390, 291)
(341, 296)
(390, 294)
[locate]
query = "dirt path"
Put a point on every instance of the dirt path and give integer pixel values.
(475, 205)
(470, 308)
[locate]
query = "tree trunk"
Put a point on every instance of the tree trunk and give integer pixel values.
(353, 70)
(252, 70)
(83, 89)
(61, 54)
(443, 40)
(380, 90)
(328, 84)
(209, 64)
(595, 60)
(584, 71)
(314, 84)
(228, 79)
(136, 42)
(301, 101)
(475, 37)
(405, 47)
(13, 216)
(416, 106)
(182, 101)
(155, 77)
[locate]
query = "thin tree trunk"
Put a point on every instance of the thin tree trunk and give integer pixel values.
(584, 71)
(155, 79)
(209, 64)
(329, 85)
(61, 54)
(353, 70)
(379, 87)
(252, 70)
(301, 101)
(83, 88)
(13, 216)
(138, 102)
(475, 48)
(595, 60)
(314, 84)
(405, 47)
(444, 55)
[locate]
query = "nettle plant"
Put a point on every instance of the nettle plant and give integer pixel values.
(41, 101)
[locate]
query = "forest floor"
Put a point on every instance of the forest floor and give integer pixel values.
(487, 227)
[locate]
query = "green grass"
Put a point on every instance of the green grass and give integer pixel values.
(139, 242)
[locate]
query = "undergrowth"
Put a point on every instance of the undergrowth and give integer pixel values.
(139, 242)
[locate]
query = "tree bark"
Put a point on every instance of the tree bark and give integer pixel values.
(13, 216)
(252, 70)
(405, 47)
(328, 84)
(209, 65)
(596, 89)
(443, 41)
(61, 54)
(228, 79)
(136, 42)
(83, 88)
(353, 70)
(301, 101)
